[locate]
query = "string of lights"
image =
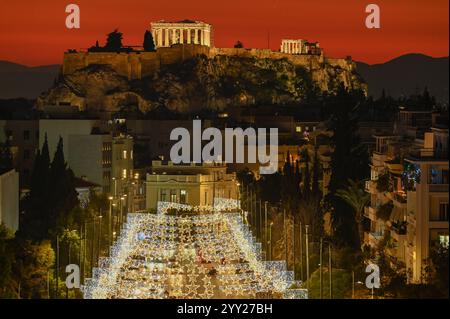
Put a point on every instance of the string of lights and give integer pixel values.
(198, 252)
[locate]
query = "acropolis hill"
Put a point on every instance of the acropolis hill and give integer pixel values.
(186, 73)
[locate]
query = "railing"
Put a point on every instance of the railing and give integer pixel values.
(370, 186)
(177, 178)
(189, 179)
(438, 188)
(370, 213)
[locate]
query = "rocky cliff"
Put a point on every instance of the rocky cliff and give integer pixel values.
(201, 82)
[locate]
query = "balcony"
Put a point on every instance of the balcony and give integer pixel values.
(371, 187)
(398, 231)
(373, 238)
(173, 178)
(438, 188)
(411, 219)
(370, 213)
(398, 199)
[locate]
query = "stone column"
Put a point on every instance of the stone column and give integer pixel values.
(166, 41)
(181, 36)
(174, 36)
(196, 36)
(154, 37)
(208, 38)
(160, 38)
(202, 37)
(188, 34)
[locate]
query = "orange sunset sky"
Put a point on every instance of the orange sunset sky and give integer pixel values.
(33, 32)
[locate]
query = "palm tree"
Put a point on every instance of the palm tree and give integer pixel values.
(357, 198)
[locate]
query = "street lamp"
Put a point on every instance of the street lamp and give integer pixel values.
(111, 204)
(270, 241)
(307, 257)
(115, 186)
(265, 224)
(122, 200)
(99, 236)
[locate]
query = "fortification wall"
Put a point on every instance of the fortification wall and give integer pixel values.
(135, 65)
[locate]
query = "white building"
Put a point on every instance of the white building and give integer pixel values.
(410, 207)
(195, 184)
(9, 200)
(427, 201)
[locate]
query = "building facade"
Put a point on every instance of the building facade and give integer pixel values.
(90, 158)
(300, 46)
(166, 34)
(23, 139)
(195, 184)
(409, 198)
(9, 200)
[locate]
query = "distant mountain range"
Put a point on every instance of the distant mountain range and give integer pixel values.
(18, 80)
(404, 75)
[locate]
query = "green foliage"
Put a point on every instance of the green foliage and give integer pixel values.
(400, 226)
(148, 44)
(355, 196)
(114, 41)
(349, 160)
(6, 260)
(341, 283)
(52, 199)
(385, 210)
(238, 44)
(384, 183)
(438, 272)
(32, 263)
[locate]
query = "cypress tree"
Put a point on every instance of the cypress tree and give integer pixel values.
(64, 195)
(149, 45)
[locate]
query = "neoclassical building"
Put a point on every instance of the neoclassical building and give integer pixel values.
(165, 33)
(300, 46)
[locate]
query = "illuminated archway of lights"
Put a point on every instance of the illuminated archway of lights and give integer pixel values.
(200, 252)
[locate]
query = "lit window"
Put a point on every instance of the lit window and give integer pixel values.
(443, 240)
(124, 154)
(163, 195)
(183, 196)
(124, 173)
(298, 129)
(173, 195)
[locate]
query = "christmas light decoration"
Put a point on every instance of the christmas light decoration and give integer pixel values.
(188, 252)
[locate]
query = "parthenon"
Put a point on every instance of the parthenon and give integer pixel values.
(165, 34)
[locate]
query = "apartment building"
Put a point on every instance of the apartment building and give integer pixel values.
(409, 196)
